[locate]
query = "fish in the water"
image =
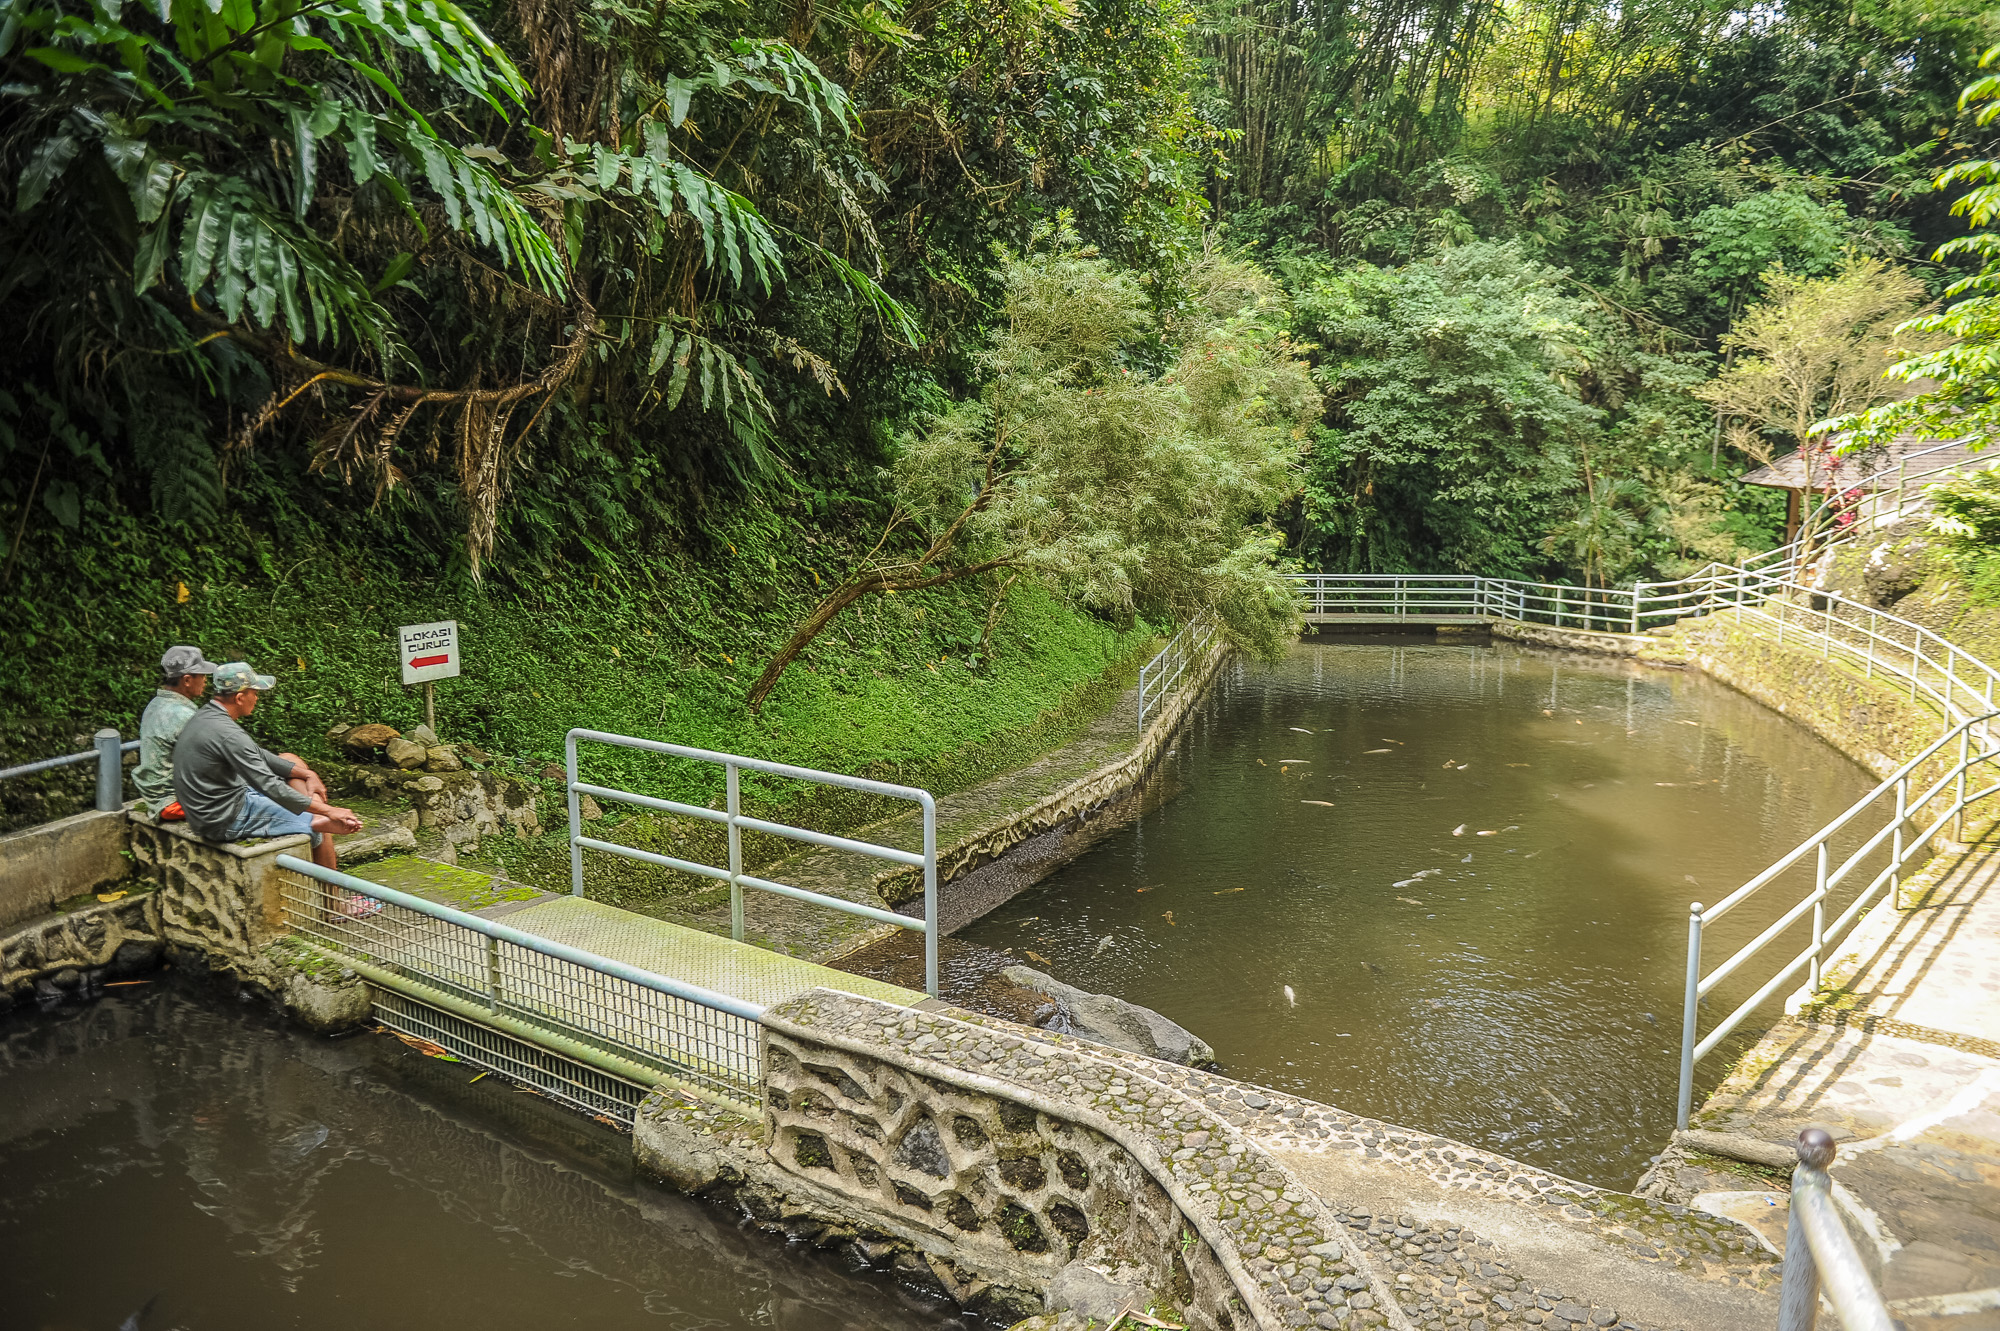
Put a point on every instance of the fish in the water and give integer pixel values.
(1037, 957)
(1488, 832)
(1291, 997)
(1227, 891)
(1561, 1108)
(1459, 830)
(1301, 729)
(1323, 803)
(1381, 751)
(1168, 917)
(138, 1315)
(1103, 945)
(1409, 901)
(1387, 740)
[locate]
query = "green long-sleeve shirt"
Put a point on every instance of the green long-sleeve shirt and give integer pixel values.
(159, 726)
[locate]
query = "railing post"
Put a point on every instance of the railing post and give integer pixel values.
(1896, 842)
(1689, 1016)
(1636, 588)
(492, 974)
(930, 900)
(1798, 1296)
(1958, 801)
(1819, 921)
(735, 807)
(110, 773)
(575, 820)
(1869, 673)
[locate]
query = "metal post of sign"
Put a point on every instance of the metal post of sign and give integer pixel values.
(431, 706)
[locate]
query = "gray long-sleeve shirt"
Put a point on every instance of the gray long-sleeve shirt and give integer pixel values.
(215, 761)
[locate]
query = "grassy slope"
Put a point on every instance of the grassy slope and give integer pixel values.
(666, 654)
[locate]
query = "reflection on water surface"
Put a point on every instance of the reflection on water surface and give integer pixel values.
(1472, 866)
(173, 1152)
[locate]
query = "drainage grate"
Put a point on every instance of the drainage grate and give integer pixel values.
(574, 1084)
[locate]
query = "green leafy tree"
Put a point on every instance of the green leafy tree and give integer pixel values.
(1959, 373)
(1814, 347)
(1449, 442)
(1127, 492)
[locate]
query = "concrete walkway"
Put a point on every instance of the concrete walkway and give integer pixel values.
(1898, 1056)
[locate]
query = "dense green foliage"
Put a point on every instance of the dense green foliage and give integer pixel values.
(1130, 489)
(505, 309)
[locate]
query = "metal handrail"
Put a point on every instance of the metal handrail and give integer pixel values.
(1820, 1256)
(1826, 877)
(109, 754)
(732, 816)
(1160, 677)
(1876, 643)
(619, 1020)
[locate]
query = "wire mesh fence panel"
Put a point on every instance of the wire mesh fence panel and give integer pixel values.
(516, 984)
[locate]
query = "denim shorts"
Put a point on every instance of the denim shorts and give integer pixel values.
(263, 816)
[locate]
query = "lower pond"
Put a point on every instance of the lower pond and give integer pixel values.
(174, 1160)
(1444, 886)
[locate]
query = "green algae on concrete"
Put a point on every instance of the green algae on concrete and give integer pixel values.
(446, 884)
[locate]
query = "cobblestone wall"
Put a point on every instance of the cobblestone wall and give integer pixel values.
(219, 899)
(78, 950)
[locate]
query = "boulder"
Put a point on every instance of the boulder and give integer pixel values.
(588, 807)
(425, 736)
(554, 772)
(1090, 1293)
(442, 759)
(472, 753)
(364, 743)
(337, 734)
(1113, 1021)
(405, 754)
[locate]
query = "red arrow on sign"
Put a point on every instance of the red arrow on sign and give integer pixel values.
(420, 661)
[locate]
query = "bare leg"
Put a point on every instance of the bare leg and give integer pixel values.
(308, 784)
(325, 854)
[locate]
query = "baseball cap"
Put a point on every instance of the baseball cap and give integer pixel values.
(185, 661)
(237, 676)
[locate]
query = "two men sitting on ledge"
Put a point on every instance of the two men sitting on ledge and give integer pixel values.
(233, 789)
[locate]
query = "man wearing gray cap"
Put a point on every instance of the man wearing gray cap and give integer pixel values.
(233, 789)
(184, 673)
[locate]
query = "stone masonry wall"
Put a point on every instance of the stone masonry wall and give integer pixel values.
(992, 1156)
(222, 900)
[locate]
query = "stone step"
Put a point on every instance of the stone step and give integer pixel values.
(372, 843)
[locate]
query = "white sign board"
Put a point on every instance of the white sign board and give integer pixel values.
(430, 651)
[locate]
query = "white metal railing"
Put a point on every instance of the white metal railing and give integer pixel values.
(1820, 1255)
(1766, 596)
(107, 752)
(731, 815)
(1161, 676)
(1891, 842)
(613, 1019)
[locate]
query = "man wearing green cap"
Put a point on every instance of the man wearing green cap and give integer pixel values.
(233, 789)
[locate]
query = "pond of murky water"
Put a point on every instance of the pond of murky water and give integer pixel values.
(1445, 886)
(169, 1159)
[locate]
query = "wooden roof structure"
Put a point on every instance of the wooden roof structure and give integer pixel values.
(1902, 460)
